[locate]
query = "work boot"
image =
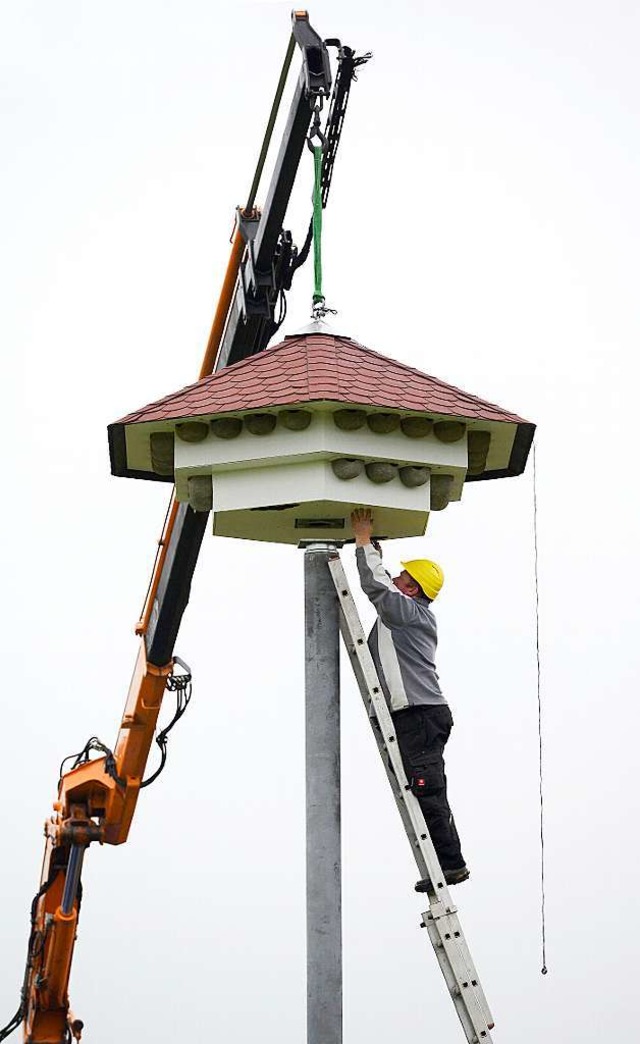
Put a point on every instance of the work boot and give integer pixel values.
(457, 876)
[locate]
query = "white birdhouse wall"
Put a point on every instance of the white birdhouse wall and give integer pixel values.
(292, 475)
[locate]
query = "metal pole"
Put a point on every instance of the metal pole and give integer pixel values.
(324, 881)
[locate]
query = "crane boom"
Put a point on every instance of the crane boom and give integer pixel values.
(97, 798)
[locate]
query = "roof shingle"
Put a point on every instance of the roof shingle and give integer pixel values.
(313, 367)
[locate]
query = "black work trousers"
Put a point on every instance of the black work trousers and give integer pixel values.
(422, 733)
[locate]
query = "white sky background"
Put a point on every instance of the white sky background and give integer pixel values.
(482, 226)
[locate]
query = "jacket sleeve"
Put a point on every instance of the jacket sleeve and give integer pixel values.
(394, 608)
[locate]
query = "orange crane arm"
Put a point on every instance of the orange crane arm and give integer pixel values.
(97, 799)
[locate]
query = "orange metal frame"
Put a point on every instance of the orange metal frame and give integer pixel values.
(92, 805)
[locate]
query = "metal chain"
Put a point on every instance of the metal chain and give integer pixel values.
(316, 130)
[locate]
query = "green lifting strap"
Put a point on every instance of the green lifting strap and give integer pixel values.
(318, 296)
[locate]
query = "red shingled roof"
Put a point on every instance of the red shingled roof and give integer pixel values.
(317, 367)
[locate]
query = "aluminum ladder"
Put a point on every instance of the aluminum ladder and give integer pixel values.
(441, 919)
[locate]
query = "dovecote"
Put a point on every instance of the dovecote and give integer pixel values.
(283, 445)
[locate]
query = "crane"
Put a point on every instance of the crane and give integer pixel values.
(98, 795)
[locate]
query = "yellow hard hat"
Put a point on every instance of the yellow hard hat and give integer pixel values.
(428, 574)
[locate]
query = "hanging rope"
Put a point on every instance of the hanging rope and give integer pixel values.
(540, 761)
(318, 297)
(319, 308)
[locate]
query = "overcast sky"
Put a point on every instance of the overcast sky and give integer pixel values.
(483, 227)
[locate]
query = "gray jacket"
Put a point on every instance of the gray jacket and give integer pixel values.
(404, 639)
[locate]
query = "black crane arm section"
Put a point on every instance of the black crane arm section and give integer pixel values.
(266, 271)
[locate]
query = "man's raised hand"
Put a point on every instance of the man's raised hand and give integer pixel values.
(362, 525)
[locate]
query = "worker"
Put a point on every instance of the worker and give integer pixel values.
(403, 644)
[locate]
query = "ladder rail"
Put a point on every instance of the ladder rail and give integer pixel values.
(395, 783)
(441, 919)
